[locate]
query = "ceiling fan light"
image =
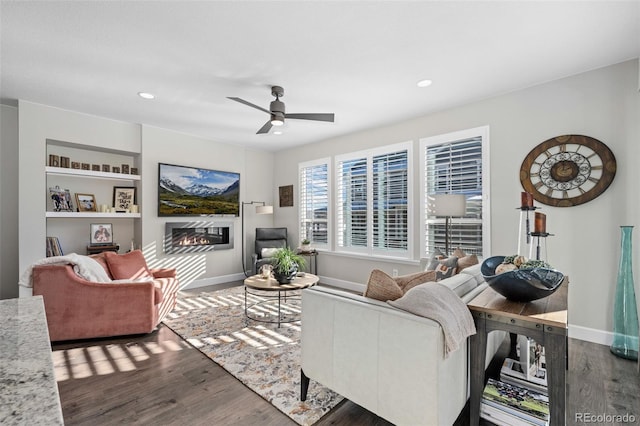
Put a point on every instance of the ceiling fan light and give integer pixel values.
(276, 120)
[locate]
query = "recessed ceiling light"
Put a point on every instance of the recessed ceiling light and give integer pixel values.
(424, 83)
(145, 95)
(277, 132)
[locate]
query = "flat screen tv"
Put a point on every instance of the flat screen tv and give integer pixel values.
(193, 191)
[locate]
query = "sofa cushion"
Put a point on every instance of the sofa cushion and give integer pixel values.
(467, 261)
(268, 252)
(476, 272)
(444, 268)
(131, 265)
(382, 287)
(407, 282)
(461, 284)
(100, 258)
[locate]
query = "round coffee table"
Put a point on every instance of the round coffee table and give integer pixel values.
(269, 286)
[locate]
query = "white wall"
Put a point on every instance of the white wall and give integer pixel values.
(36, 124)
(8, 202)
(604, 104)
(256, 183)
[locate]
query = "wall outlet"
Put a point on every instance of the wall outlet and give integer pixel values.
(394, 272)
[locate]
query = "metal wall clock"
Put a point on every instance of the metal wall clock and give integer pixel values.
(568, 170)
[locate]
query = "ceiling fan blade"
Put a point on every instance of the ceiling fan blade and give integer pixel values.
(242, 101)
(265, 129)
(312, 116)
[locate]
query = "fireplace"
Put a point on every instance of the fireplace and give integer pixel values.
(196, 237)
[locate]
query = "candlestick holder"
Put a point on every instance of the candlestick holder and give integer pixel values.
(540, 244)
(524, 230)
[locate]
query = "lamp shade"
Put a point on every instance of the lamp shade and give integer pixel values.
(264, 209)
(448, 205)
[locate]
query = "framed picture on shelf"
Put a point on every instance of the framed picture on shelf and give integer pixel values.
(61, 199)
(101, 234)
(86, 202)
(123, 197)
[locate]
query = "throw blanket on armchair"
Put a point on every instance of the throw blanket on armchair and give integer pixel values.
(441, 304)
(84, 266)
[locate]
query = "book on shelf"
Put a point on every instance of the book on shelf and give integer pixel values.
(529, 406)
(53, 247)
(512, 371)
(531, 355)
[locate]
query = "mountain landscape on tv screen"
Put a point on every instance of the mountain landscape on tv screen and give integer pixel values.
(197, 198)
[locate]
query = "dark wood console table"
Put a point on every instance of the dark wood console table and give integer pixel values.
(543, 320)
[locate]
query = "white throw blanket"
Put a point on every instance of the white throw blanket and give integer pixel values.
(439, 303)
(84, 266)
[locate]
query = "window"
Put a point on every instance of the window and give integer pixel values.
(372, 202)
(314, 202)
(457, 163)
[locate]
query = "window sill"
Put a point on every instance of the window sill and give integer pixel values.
(388, 259)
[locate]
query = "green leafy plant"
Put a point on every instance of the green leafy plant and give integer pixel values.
(305, 242)
(286, 260)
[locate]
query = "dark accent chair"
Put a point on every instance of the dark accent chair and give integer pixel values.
(267, 238)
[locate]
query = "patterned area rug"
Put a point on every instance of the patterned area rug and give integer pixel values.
(262, 356)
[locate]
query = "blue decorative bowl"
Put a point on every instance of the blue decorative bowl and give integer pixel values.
(521, 285)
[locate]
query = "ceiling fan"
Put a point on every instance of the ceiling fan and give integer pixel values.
(277, 112)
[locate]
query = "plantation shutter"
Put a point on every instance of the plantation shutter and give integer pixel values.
(352, 203)
(390, 198)
(314, 203)
(455, 168)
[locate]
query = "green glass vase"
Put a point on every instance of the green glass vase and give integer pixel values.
(625, 311)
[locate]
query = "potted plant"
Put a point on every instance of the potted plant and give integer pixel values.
(305, 245)
(286, 264)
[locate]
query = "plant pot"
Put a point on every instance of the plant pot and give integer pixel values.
(285, 278)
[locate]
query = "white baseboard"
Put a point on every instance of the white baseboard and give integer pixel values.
(590, 335)
(223, 279)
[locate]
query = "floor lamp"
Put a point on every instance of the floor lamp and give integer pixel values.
(261, 208)
(447, 205)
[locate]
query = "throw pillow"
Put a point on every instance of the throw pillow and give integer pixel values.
(407, 282)
(128, 266)
(102, 261)
(382, 287)
(446, 268)
(435, 258)
(458, 252)
(466, 261)
(269, 252)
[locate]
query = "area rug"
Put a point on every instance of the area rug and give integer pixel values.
(263, 356)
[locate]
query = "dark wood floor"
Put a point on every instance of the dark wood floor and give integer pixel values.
(158, 379)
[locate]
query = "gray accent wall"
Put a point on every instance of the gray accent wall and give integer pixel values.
(8, 202)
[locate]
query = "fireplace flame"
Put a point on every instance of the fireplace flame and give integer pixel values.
(193, 241)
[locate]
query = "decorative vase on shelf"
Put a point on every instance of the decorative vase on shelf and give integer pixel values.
(625, 311)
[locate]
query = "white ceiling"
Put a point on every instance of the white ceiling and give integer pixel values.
(358, 59)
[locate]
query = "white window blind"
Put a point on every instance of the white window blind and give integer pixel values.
(390, 201)
(373, 201)
(455, 168)
(314, 202)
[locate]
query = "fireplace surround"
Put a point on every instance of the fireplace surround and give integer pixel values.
(197, 236)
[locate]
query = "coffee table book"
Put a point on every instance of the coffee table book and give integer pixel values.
(525, 405)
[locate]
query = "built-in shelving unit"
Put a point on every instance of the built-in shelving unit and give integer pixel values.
(72, 227)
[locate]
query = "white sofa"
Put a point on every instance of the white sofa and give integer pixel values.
(386, 360)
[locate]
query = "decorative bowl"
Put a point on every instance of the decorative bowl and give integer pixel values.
(521, 285)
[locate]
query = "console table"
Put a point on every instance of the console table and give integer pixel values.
(543, 320)
(28, 388)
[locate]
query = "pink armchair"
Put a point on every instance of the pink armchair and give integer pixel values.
(80, 309)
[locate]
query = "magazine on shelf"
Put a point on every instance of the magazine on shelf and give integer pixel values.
(525, 403)
(501, 417)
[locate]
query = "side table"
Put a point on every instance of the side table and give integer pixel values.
(543, 320)
(313, 260)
